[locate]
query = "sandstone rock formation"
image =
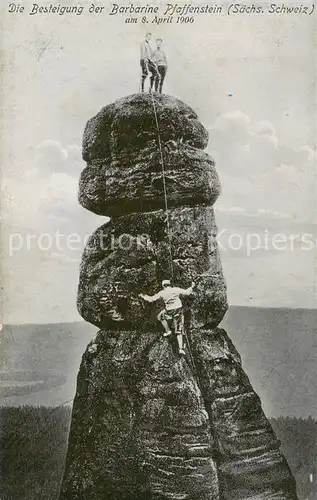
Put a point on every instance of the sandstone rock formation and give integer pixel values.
(146, 423)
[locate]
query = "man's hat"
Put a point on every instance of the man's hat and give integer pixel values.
(166, 282)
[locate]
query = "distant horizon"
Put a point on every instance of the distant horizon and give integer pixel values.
(276, 346)
(232, 305)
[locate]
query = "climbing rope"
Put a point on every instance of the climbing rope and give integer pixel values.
(192, 361)
(169, 236)
(164, 187)
(164, 182)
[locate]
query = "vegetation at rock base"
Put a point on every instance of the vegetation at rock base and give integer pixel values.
(33, 445)
(298, 438)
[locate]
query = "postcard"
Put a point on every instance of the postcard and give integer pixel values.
(158, 250)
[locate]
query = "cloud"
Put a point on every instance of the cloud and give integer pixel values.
(232, 126)
(259, 172)
(58, 196)
(41, 221)
(35, 200)
(50, 152)
(50, 155)
(244, 148)
(230, 210)
(299, 157)
(43, 192)
(74, 153)
(264, 127)
(64, 257)
(250, 280)
(261, 212)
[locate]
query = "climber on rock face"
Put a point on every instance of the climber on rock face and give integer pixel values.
(173, 310)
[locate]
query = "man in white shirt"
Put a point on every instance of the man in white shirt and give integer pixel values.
(147, 62)
(161, 62)
(173, 309)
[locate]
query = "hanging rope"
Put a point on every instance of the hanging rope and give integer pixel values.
(169, 236)
(164, 188)
(192, 361)
(169, 240)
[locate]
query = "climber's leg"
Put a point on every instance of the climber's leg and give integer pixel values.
(162, 72)
(154, 73)
(180, 343)
(144, 73)
(179, 330)
(162, 319)
(157, 82)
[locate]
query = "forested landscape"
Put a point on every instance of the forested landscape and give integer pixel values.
(33, 445)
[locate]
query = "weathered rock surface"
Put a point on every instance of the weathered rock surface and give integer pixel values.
(128, 124)
(139, 427)
(124, 172)
(144, 426)
(113, 189)
(250, 463)
(130, 255)
(146, 423)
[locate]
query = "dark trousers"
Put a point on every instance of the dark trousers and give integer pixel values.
(146, 67)
(160, 78)
(175, 315)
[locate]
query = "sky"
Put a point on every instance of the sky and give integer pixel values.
(251, 80)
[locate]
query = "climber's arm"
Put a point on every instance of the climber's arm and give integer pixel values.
(165, 59)
(150, 298)
(187, 291)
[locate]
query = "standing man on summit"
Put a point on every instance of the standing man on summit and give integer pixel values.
(147, 62)
(161, 62)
